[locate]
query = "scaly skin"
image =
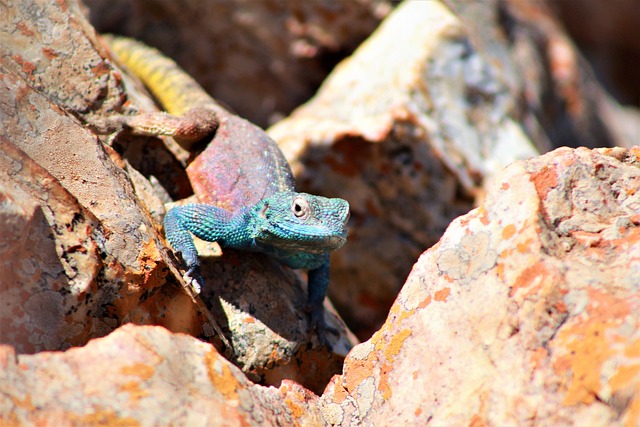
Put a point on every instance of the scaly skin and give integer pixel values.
(242, 175)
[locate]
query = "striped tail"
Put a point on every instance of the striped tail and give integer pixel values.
(173, 87)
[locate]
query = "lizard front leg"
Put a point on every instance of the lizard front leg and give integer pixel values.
(317, 289)
(207, 222)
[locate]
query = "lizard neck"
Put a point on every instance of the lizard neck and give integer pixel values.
(238, 233)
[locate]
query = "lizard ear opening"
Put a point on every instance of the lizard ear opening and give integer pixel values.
(263, 211)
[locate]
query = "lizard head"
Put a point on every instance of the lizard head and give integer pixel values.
(299, 221)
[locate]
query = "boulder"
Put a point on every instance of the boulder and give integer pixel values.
(524, 313)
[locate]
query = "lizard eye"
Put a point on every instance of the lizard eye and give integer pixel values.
(300, 207)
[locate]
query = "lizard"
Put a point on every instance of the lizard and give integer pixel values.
(250, 199)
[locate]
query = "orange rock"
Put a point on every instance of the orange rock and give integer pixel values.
(143, 375)
(548, 336)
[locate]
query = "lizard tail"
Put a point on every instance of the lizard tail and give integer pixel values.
(173, 88)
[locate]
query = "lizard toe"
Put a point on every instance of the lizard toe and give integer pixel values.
(194, 278)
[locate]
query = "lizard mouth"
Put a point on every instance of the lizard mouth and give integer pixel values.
(311, 240)
(334, 242)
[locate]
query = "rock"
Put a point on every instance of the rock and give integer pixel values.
(143, 375)
(82, 250)
(413, 126)
(606, 37)
(525, 312)
(79, 254)
(225, 45)
(560, 100)
(260, 306)
(406, 129)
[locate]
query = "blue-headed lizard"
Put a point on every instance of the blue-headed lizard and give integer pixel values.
(248, 188)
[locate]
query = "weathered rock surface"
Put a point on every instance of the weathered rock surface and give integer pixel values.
(260, 306)
(560, 102)
(263, 58)
(413, 126)
(79, 253)
(525, 312)
(407, 135)
(82, 250)
(143, 376)
(606, 35)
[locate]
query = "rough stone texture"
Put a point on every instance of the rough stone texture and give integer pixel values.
(79, 254)
(263, 58)
(57, 55)
(143, 376)
(411, 128)
(406, 130)
(82, 249)
(260, 306)
(525, 312)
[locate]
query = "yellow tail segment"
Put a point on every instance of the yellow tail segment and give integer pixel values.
(173, 87)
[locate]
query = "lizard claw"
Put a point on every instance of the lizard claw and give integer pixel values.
(194, 278)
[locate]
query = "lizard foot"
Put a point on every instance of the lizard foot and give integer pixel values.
(194, 278)
(319, 326)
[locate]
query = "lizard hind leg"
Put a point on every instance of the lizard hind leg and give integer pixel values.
(187, 129)
(192, 111)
